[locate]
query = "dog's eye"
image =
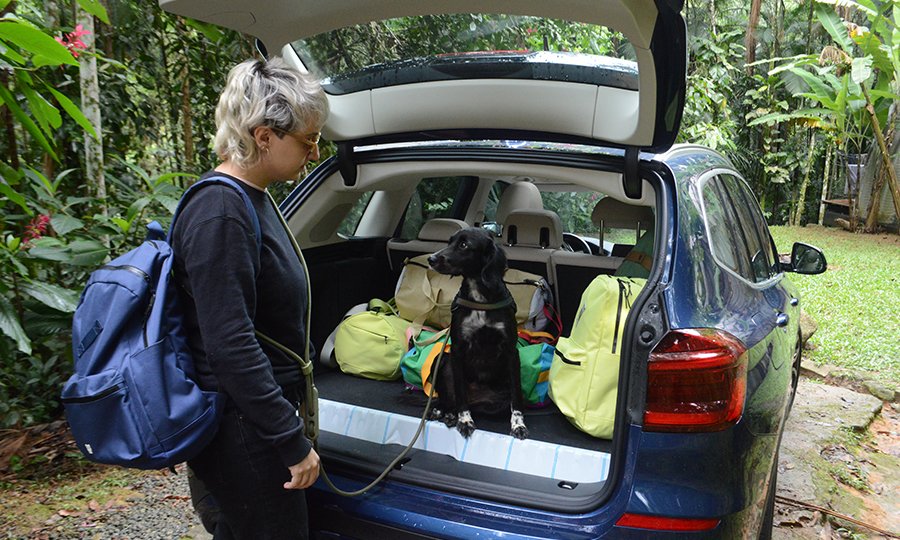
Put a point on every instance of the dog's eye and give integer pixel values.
(463, 245)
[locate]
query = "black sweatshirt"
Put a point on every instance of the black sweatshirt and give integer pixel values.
(231, 287)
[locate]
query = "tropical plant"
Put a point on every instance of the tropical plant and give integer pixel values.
(838, 83)
(52, 233)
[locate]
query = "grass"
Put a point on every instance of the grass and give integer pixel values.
(856, 302)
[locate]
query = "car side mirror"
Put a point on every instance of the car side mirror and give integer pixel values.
(495, 228)
(806, 259)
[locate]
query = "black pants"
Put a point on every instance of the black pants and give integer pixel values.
(246, 477)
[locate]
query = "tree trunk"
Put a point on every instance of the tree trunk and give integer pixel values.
(801, 200)
(6, 116)
(809, 26)
(186, 112)
(893, 183)
(90, 106)
(878, 184)
(51, 21)
(825, 178)
(750, 42)
(9, 126)
(187, 120)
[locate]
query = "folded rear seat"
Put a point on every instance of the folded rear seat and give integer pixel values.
(529, 238)
(433, 236)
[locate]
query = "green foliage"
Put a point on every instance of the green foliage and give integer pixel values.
(708, 118)
(43, 275)
(53, 233)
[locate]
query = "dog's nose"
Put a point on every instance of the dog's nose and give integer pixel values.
(432, 259)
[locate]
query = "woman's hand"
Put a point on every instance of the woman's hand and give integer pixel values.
(304, 473)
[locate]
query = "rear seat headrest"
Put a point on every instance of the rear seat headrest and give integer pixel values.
(519, 196)
(533, 228)
(441, 229)
(615, 214)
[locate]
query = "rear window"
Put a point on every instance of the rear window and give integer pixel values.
(721, 225)
(444, 47)
(433, 198)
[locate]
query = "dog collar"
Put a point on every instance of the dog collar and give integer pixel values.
(508, 301)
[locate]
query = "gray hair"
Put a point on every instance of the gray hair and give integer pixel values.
(265, 93)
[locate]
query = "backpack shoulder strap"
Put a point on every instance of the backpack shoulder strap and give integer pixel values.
(225, 181)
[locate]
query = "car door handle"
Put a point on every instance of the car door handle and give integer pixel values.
(782, 319)
(795, 301)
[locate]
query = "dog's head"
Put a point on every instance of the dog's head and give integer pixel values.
(471, 253)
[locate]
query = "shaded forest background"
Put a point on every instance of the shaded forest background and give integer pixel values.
(107, 115)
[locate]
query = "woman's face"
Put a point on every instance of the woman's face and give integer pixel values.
(290, 152)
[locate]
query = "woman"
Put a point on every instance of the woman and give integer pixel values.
(268, 118)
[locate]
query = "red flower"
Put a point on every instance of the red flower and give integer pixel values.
(73, 41)
(35, 230)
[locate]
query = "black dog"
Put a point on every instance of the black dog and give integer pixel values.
(483, 371)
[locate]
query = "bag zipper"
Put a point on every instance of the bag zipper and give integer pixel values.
(96, 397)
(618, 315)
(129, 268)
(143, 275)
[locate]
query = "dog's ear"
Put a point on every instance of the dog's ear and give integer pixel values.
(494, 264)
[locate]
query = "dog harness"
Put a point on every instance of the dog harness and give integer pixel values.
(457, 301)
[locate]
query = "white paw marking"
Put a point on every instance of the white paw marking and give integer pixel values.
(517, 420)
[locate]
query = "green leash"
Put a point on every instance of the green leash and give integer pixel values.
(310, 411)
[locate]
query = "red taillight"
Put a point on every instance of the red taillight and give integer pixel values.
(657, 523)
(697, 382)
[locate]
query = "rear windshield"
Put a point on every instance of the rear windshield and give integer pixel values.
(439, 47)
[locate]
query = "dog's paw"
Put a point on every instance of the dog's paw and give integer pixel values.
(519, 432)
(449, 419)
(465, 425)
(434, 414)
(517, 425)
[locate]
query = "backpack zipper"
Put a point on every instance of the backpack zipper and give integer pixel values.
(96, 397)
(618, 315)
(127, 267)
(147, 316)
(143, 275)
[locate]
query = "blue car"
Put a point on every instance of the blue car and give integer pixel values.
(552, 126)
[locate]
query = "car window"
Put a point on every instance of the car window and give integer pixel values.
(348, 57)
(574, 210)
(433, 198)
(351, 222)
(494, 196)
(721, 226)
(759, 223)
(753, 228)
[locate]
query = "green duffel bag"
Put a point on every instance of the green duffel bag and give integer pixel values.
(535, 360)
(371, 344)
(584, 376)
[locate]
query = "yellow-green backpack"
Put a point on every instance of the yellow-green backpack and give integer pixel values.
(584, 376)
(372, 343)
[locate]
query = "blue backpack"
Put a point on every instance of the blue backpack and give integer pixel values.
(132, 400)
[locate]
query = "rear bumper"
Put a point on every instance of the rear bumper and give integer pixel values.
(664, 475)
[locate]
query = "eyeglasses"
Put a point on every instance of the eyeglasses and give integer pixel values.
(310, 139)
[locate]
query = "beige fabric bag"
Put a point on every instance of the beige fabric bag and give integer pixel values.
(424, 296)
